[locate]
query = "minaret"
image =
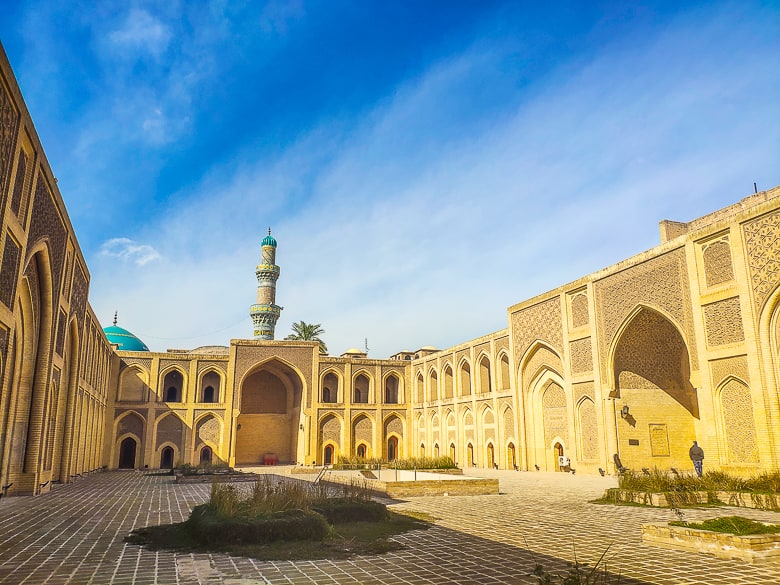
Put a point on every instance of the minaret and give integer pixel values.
(266, 312)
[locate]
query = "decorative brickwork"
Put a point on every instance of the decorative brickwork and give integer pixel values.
(582, 389)
(46, 223)
(762, 240)
(170, 430)
(541, 357)
(9, 273)
(651, 354)
(659, 282)
(509, 423)
(249, 356)
(739, 423)
(207, 431)
(579, 310)
(58, 347)
(723, 322)
(541, 321)
(78, 300)
(488, 418)
(220, 365)
(581, 356)
(589, 438)
(9, 130)
(131, 423)
(554, 413)
(20, 183)
(145, 363)
(394, 425)
(717, 261)
(330, 430)
(733, 366)
(363, 430)
(502, 343)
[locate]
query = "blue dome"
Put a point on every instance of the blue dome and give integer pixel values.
(269, 240)
(124, 339)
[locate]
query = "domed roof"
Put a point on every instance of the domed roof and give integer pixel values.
(354, 350)
(269, 240)
(124, 339)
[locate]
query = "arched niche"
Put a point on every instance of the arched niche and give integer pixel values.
(270, 407)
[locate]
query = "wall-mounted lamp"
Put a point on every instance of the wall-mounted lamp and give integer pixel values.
(238, 427)
(624, 411)
(301, 426)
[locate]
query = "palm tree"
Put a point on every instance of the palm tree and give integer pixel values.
(303, 331)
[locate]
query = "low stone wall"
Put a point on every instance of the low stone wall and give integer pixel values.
(750, 500)
(216, 477)
(657, 499)
(422, 487)
(751, 548)
(668, 499)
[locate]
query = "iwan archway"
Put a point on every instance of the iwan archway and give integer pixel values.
(270, 407)
(655, 403)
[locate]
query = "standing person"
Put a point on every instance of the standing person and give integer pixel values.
(696, 454)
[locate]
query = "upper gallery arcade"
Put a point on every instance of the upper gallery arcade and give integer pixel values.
(679, 343)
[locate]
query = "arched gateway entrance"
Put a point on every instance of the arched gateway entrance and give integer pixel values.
(655, 401)
(267, 426)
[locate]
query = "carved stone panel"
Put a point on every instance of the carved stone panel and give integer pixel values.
(541, 321)
(723, 322)
(762, 240)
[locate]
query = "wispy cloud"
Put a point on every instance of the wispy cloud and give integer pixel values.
(129, 251)
(141, 32)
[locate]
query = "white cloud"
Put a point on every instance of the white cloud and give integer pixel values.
(412, 226)
(142, 32)
(129, 251)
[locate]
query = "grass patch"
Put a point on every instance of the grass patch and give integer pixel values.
(661, 481)
(411, 463)
(732, 525)
(284, 520)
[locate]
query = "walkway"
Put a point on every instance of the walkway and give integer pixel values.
(74, 535)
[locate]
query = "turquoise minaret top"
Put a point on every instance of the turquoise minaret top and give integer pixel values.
(265, 313)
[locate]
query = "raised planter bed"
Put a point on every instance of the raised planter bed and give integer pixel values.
(216, 477)
(657, 499)
(751, 548)
(750, 500)
(669, 499)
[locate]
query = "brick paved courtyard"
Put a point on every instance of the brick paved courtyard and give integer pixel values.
(74, 535)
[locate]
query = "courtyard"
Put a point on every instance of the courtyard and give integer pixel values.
(75, 535)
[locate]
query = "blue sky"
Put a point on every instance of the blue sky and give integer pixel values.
(423, 165)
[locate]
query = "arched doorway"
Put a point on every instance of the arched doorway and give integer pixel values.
(511, 461)
(166, 458)
(470, 455)
(491, 459)
(361, 451)
(452, 452)
(327, 457)
(557, 455)
(392, 448)
(269, 414)
(127, 449)
(205, 455)
(656, 401)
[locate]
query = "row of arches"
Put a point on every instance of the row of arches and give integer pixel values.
(359, 438)
(429, 388)
(470, 456)
(169, 442)
(134, 385)
(362, 388)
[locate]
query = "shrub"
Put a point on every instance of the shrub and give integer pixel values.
(212, 528)
(341, 510)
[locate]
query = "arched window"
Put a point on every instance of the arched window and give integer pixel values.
(205, 455)
(209, 386)
(174, 385)
(328, 455)
(326, 394)
(166, 458)
(391, 390)
(361, 389)
(361, 451)
(330, 386)
(208, 394)
(392, 448)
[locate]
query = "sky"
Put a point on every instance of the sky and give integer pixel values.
(423, 164)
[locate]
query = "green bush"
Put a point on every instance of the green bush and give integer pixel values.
(341, 510)
(732, 525)
(211, 528)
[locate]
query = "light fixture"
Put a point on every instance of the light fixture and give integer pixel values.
(238, 427)
(624, 411)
